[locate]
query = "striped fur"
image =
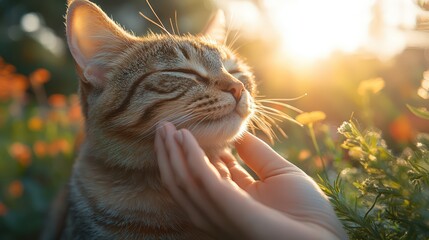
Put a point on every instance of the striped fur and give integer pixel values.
(128, 86)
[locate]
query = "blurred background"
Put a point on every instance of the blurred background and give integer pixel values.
(349, 59)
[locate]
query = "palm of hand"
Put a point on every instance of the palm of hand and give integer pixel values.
(221, 198)
(282, 186)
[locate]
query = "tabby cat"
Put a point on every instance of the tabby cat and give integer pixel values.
(128, 86)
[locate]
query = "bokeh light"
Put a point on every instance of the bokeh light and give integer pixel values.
(30, 22)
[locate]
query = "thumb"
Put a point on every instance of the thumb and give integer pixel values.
(261, 158)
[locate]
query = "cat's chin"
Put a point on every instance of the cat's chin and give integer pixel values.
(219, 133)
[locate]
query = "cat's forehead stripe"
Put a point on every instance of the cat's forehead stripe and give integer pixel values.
(184, 52)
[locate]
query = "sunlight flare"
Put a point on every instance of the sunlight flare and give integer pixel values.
(314, 29)
(310, 30)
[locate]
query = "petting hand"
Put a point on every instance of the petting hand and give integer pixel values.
(223, 199)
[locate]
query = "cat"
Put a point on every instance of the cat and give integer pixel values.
(128, 86)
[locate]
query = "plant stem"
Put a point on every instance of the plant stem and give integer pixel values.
(316, 146)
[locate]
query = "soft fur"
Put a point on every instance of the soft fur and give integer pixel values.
(128, 85)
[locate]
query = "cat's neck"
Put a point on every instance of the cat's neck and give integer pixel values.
(129, 156)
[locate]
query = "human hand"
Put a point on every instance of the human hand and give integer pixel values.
(224, 200)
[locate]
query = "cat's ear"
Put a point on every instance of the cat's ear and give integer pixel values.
(216, 28)
(94, 39)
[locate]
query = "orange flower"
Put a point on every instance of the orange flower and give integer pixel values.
(75, 113)
(16, 189)
(40, 148)
(59, 145)
(6, 69)
(40, 76)
(401, 130)
(21, 153)
(35, 124)
(18, 84)
(3, 209)
(57, 100)
(318, 162)
(4, 88)
(304, 154)
(63, 145)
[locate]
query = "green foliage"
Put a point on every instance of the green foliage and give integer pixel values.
(383, 196)
(36, 150)
(419, 112)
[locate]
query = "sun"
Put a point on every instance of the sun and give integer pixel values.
(314, 29)
(309, 30)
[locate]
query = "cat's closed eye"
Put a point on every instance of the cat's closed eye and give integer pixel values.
(129, 85)
(234, 71)
(198, 76)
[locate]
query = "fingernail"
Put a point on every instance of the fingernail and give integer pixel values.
(179, 136)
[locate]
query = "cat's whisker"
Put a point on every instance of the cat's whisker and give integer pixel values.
(275, 112)
(171, 25)
(277, 116)
(229, 29)
(234, 40)
(252, 127)
(273, 121)
(266, 118)
(156, 15)
(182, 121)
(277, 102)
(262, 125)
(177, 23)
(155, 23)
(155, 127)
(281, 99)
(152, 79)
(195, 124)
(184, 116)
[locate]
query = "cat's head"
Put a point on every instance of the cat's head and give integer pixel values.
(131, 84)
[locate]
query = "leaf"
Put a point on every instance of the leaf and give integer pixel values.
(419, 112)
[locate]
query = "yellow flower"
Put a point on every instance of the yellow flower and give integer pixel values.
(310, 117)
(356, 153)
(373, 85)
(35, 124)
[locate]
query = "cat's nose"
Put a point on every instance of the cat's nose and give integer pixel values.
(236, 88)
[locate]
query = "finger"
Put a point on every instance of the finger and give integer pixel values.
(162, 156)
(198, 163)
(168, 178)
(175, 154)
(206, 181)
(238, 174)
(263, 160)
(221, 167)
(187, 187)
